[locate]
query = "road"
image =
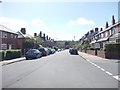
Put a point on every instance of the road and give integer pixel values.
(60, 70)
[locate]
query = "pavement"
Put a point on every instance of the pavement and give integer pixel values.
(83, 55)
(6, 62)
(92, 57)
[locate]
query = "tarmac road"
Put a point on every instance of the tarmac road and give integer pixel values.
(60, 70)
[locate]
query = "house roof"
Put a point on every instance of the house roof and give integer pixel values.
(21, 35)
(111, 26)
(115, 36)
(103, 39)
(5, 29)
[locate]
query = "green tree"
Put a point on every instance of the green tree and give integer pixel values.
(37, 42)
(85, 44)
(28, 43)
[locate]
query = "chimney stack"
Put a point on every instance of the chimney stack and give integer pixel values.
(40, 35)
(101, 29)
(44, 36)
(91, 31)
(96, 29)
(35, 34)
(106, 26)
(47, 37)
(23, 30)
(113, 20)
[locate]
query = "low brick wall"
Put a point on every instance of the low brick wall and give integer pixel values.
(103, 54)
(92, 52)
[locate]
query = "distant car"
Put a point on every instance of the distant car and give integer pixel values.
(33, 54)
(51, 51)
(73, 51)
(43, 51)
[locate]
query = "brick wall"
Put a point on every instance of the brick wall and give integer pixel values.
(103, 54)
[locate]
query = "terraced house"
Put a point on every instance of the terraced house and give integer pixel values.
(111, 34)
(8, 38)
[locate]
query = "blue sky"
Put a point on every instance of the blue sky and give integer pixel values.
(58, 20)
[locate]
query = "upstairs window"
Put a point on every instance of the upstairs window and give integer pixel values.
(15, 36)
(11, 35)
(112, 31)
(4, 35)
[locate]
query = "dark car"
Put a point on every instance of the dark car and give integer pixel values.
(73, 51)
(33, 54)
(43, 51)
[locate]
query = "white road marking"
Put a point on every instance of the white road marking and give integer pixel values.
(102, 69)
(109, 73)
(115, 77)
(98, 67)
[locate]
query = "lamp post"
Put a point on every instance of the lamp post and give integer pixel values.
(96, 46)
(35, 43)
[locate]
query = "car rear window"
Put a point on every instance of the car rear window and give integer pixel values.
(41, 49)
(31, 51)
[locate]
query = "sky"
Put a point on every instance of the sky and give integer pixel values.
(58, 20)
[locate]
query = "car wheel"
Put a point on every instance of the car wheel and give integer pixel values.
(26, 58)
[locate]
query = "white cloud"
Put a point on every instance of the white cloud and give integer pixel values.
(15, 24)
(39, 23)
(71, 22)
(81, 21)
(31, 27)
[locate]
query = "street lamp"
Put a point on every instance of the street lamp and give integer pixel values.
(96, 38)
(35, 43)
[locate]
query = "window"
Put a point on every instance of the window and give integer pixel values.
(112, 31)
(0, 34)
(118, 28)
(4, 35)
(106, 34)
(11, 35)
(102, 35)
(15, 36)
(3, 46)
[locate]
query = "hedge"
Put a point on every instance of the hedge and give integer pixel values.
(112, 47)
(9, 54)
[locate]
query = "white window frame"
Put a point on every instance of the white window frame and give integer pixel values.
(12, 36)
(4, 35)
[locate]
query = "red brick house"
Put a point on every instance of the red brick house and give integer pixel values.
(22, 36)
(8, 38)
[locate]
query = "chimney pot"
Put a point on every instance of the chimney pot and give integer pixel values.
(35, 34)
(23, 30)
(40, 34)
(91, 31)
(96, 29)
(113, 20)
(106, 25)
(101, 29)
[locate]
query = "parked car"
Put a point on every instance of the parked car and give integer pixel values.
(47, 50)
(33, 54)
(43, 51)
(53, 51)
(73, 51)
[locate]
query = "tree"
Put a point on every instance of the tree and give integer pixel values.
(67, 43)
(85, 44)
(28, 43)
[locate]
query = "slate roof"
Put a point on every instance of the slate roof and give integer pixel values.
(21, 35)
(5, 29)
